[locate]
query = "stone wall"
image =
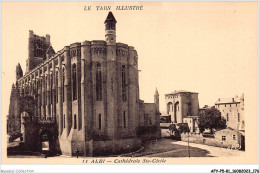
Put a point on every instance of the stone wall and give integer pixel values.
(232, 109)
(215, 140)
(115, 146)
(152, 121)
(165, 133)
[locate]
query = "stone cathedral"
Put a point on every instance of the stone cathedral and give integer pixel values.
(84, 97)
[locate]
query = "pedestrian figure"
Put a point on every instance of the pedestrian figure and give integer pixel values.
(77, 152)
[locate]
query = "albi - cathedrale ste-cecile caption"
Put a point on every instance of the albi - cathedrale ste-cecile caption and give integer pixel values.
(123, 7)
(129, 161)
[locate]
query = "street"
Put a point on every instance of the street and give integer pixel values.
(171, 148)
(164, 148)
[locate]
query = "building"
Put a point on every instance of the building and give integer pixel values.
(226, 138)
(204, 108)
(230, 138)
(232, 109)
(183, 107)
(193, 123)
(181, 104)
(84, 97)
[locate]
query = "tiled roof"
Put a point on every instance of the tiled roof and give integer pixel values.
(228, 100)
(180, 91)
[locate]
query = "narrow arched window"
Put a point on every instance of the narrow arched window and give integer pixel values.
(40, 97)
(123, 83)
(56, 86)
(227, 116)
(37, 87)
(99, 121)
(45, 100)
(75, 121)
(169, 107)
(74, 81)
(46, 83)
(41, 84)
(98, 82)
(51, 88)
(63, 84)
(64, 121)
(124, 117)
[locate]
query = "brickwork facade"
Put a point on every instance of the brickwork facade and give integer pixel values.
(181, 104)
(89, 89)
(232, 109)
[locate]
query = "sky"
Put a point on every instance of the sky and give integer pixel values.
(204, 47)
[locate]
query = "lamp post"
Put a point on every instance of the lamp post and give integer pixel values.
(189, 144)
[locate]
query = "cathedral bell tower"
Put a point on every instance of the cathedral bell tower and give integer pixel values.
(110, 24)
(111, 85)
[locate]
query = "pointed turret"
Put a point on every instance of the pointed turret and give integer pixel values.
(110, 18)
(156, 92)
(156, 99)
(13, 114)
(19, 71)
(110, 33)
(242, 97)
(242, 101)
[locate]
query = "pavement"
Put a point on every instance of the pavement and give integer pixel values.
(213, 151)
(169, 148)
(14, 143)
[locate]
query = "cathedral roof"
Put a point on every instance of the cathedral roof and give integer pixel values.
(180, 91)
(110, 17)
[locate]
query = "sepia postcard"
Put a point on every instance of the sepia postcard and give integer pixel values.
(129, 83)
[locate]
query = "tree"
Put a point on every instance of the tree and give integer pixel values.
(172, 128)
(183, 127)
(211, 119)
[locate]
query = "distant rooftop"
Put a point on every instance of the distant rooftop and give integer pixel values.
(206, 107)
(229, 100)
(180, 91)
(163, 113)
(191, 116)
